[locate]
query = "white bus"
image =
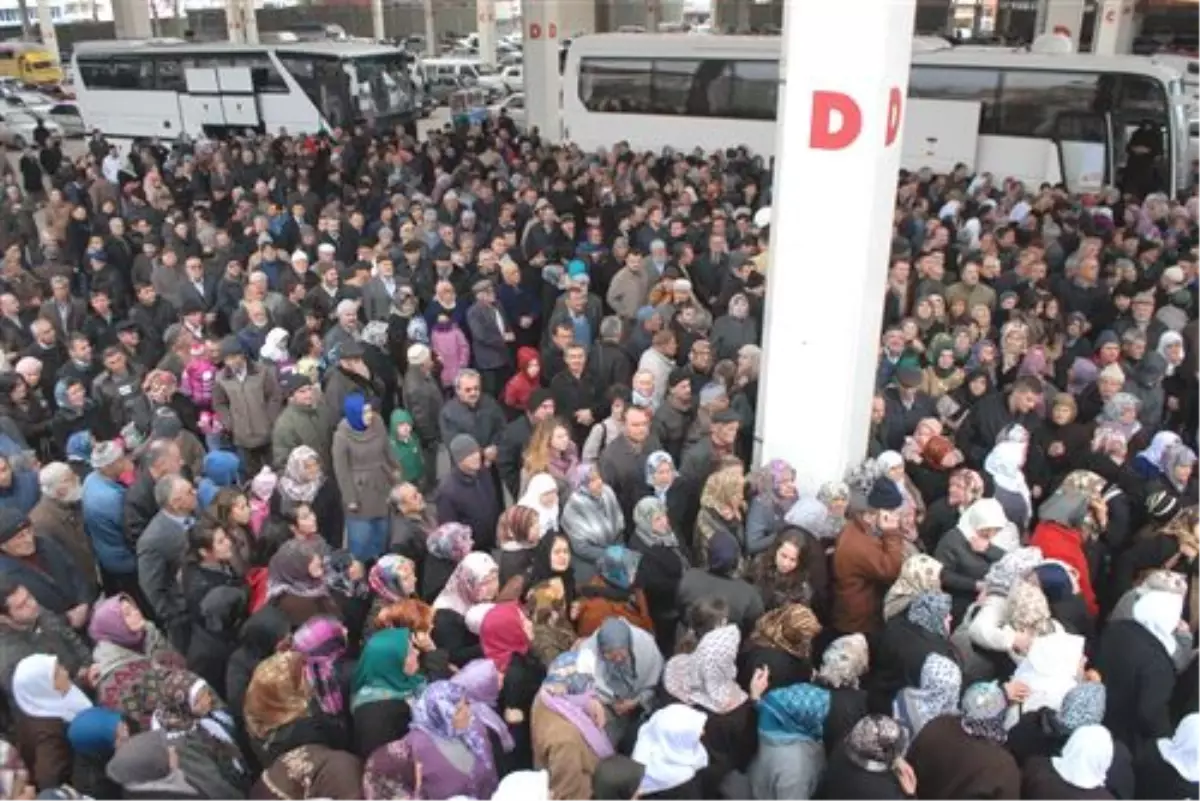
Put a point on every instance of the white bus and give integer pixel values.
(1059, 118)
(132, 89)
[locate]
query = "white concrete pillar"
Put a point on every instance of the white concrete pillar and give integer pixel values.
(250, 21)
(742, 16)
(131, 19)
(1115, 26)
(841, 106)
(46, 28)
(377, 26)
(485, 19)
(543, 86)
(241, 21)
(1064, 17)
(431, 44)
(653, 15)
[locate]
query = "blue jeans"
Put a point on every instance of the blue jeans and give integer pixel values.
(367, 537)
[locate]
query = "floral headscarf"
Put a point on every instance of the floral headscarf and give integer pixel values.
(568, 688)
(391, 771)
(767, 480)
(832, 491)
(278, 694)
(1003, 575)
(160, 386)
(292, 483)
(1110, 440)
(968, 484)
(876, 742)
(984, 706)
(451, 541)
(929, 611)
(433, 713)
(790, 629)
(338, 565)
(844, 662)
(519, 527)
(652, 463)
(1091, 486)
(941, 684)
(1115, 408)
(1028, 609)
(462, 588)
(618, 567)
(322, 641)
(919, 573)
(1083, 705)
(708, 676)
(393, 578)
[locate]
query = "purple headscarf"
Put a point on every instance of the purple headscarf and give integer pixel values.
(108, 625)
(322, 641)
(1084, 373)
(567, 690)
(433, 713)
(481, 680)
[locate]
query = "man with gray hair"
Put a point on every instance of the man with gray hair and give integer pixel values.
(423, 400)
(608, 362)
(59, 515)
(161, 552)
(161, 458)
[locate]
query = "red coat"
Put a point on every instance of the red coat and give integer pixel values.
(1066, 545)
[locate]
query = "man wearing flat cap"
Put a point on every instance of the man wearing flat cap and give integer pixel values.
(490, 338)
(43, 567)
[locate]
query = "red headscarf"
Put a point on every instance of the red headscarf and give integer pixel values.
(502, 634)
(522, 385)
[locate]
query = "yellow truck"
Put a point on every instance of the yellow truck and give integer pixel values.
(29, 63)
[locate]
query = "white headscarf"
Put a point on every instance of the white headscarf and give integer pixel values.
(1158, 446)
(524, 785)
(1159, 613)
(1086, 758)
(35, 694)
(532, 499)
(1004, 465)
(1165, 341)
(1050, 670)
(984, 513)
(274, 347)
(1182, 751)
(669, 746)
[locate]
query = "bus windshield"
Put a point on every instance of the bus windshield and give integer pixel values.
(384, 87)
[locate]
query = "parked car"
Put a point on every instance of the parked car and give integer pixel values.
(68, 118)
(34, 102)
(513, 77)
(17, 127)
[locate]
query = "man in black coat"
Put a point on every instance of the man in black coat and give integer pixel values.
(467, 494)
(623, 463)
(162, 458)
(576, 398)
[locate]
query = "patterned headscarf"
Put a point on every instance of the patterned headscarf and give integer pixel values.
(614, 637)
(941, 684)
(1028, 609)
(322, 641)
(462, 588)
(832, 491)
(288, 571)
(984, 705)
(160, 386)
(929, 611)
(919, 573)
(618, 567)
(1177, 455)
(1110, 440)
(278, 694)
(292, 483)
(1002, 575)
(391, 770)
(1083, 705)
(451, 541)
(1091, 486)
(844, 662)
(795, 713)
(968, 483)
(708, 676)
(767, 480)
(393, 578)
(338, 565)
(518, 527)
(568, 676)
(790, 629)
(433, 713)
(876, 742)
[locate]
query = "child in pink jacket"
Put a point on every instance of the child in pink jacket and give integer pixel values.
(451, 346)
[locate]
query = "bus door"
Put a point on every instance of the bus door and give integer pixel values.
(1083, 144)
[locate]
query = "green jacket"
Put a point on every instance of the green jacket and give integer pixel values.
(406, 451)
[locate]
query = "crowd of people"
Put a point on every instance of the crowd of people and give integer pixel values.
(366, 466)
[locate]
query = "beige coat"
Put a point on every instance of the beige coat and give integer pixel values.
(559, 748)
(628, 292)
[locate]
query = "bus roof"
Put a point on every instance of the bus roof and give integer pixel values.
(642, 45)
(346, 49)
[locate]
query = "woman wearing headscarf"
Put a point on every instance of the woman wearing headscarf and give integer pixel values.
(843, 665)
(553, 631)
(869, 764)
(518, 532)
(46, 702)
(985, 637)
(628, 667)
(482, 682)
(963, 756)
(552, 559)
(592, 519)
(660, 474)
(968, 550)
(1005, 465)
(964, 487)
(781, 642)
(791, 750)
(446, 546)
(906, 643)
(541, 496)
(791, 571)
(386, 680)
(1079, 772)
(890, 467)
(612, 592)
(661, 569)
(822, 516)
(280, 715)
(474, 581)
(1171, 546)
(1062, 535)
(1121, 412)
(1178, 472)
(918, 574)
(365, 470)
(1052, 668)
(670, 749)
(202, 736)
(1135, 657)
(305, 482)
(706, 679)
(566, 722)
(1067, 606)
(937, 694)
(94, 735)
(1170, 766)
(392, 579)
(322, 642)
(721, 507)
(506, 635)
(266, 632)
(450, 745)
(719, 581)
(1043, 732)
(391, 772)
(310, 771)
(774, 494)
(296, 582)
(149, 766)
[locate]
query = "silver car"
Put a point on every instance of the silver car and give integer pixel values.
(17, 128)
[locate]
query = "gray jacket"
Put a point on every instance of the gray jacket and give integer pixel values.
(364, 467)
(745, 601)
(247, 407)
(161, 551)
(485, 422)
(423, 400)
(487, 337)
(787, 770)
(376, 300)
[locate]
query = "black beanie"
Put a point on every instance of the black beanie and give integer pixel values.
(885, 495)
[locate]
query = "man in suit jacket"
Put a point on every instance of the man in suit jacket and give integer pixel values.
(490, 335)
(199, 289)
(161, 551)
(378, 292)
(62, 311)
